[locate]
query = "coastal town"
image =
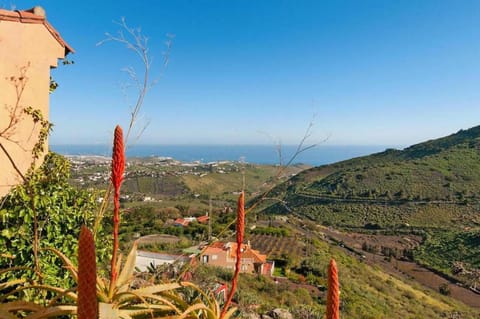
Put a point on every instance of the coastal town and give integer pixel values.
(374, 213)
(91, 168)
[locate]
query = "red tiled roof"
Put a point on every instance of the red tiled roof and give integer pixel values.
(28, 16)
(248, 253)
(202, 219)
(212, 249)
(181, 222)
(217, 244)
(255, 254)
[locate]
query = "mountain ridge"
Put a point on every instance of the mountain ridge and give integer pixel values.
(431, 189)
(433, 184)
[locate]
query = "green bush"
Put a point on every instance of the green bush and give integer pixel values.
(47, 203)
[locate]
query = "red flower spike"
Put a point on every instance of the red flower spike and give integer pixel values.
(240, 219)
(240, 235)
(87, 276)
(333, 295)
(118, 168)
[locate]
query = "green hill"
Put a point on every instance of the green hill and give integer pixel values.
(431, 188)
(438, 178)
(366, 292)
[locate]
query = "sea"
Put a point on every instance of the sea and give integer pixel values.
(255, 154)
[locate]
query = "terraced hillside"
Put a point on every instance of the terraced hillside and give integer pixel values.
(431, 189)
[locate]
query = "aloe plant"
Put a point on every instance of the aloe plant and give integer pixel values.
(98, 297)
(119, 301)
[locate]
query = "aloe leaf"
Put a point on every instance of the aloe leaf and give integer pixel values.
(148, 310)
(102, 289)
(68, 263)
(61, 295)
(6, 315)
(53, 312)
(155, 289)
(167, 305)
(195, 307)
(107, 311)
(212, 302)
(127, 272)
(11, 283)
(230, 313)
(175, 298)
(20, 305)
(65, 292)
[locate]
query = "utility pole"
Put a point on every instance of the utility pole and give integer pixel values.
(210, 217)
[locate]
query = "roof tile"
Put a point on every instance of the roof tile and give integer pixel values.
(28, 16)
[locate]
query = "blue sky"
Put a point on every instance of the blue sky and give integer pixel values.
(374, 72)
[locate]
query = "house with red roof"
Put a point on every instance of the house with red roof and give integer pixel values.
(181, 222)
(203, 219)
(225, 255)
(30, 47)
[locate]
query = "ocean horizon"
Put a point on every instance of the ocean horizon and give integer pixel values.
(255, 154)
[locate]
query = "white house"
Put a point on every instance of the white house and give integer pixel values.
(148, 258)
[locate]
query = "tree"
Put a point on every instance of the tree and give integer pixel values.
(45, 212)
(444, 289)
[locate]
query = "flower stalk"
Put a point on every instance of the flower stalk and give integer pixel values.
(118, 168)
(333, 295)
(240, 235)
(87, 305)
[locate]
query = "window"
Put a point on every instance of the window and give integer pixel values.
(214, 257)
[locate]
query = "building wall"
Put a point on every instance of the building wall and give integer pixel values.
(28, 51)
(221, 258)
(218, 258)
(143, 261)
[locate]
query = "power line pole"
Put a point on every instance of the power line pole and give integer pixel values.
(210, 218)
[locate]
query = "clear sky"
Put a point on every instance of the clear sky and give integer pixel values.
(375, 72)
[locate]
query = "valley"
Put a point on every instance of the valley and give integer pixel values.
(411, 217)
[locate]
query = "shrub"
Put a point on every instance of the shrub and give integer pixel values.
(44, 212)
(444, 289)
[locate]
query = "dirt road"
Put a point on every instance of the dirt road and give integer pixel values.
(404, 269)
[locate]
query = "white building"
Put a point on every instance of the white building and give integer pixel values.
(148, 258)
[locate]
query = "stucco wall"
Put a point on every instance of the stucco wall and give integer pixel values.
(27, 50)
(222, 260)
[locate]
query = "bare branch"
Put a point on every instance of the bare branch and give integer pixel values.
(301, 147)
(278, 200)
(12, 162)
(134, 40)
(16, 111)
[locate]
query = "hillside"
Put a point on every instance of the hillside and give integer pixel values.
(395, 187)
(366, 292)
(431, 189)
(427, 195)
(163, 179)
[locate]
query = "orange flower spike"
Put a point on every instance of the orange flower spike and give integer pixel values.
(240, 235)
(118, 158)
(87, 276)
(240, 219)
(118, 168)
(333, 295)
